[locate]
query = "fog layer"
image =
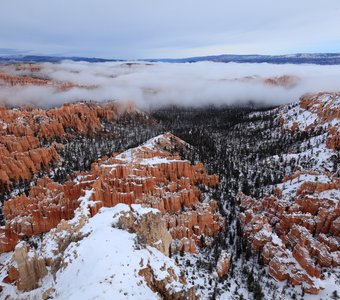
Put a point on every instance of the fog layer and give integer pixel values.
(158, 84)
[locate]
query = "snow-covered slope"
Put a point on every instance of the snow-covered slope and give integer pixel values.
(107, 262)
(110, 230)
(296, 229)
(101, 260)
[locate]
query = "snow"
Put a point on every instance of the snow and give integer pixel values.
(276, 240)
(140, 210)
(302, 117)
(131, 155)
(290, 187)
(157, 161)
(333, 194)
(105, 264)
(162, 137)
(3, 124)
(316, 155)
(330, 284)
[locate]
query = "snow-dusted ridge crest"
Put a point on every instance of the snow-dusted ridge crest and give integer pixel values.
(295, 226)
(162, 142)
(128, 213)
(101, 260)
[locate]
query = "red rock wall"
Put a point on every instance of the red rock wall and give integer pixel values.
(46, 205)
(13, 80)
(21, 131)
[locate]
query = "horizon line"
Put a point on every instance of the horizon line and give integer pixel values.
(161, 58)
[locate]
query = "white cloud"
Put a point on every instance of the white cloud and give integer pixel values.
(155, 84)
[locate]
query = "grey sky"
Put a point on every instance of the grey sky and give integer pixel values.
(150, 28)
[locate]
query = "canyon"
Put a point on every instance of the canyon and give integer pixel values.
(296, 229)
(148, 175)
(219, 203)
(152, 175)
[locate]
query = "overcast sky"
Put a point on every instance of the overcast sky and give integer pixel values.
(132, 29)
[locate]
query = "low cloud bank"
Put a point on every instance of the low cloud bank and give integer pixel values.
(158, 84)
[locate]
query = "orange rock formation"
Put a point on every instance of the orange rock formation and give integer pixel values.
(287, 81)
(8, 79)
(302, 235)
(150, 175)
(305, 229)
(22, 131)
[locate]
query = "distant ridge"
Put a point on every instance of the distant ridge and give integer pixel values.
(299, 58)
(51, 59)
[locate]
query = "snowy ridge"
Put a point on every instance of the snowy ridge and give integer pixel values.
(313, 110)
(295, 225)
(110, 271)
(109, 248)
(162, 142)
(101, 261)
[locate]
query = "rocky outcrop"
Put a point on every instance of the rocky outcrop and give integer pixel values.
(296, 229)
(67, 120)
(223, 264)
(46, 205)
(187, 227)
(160, 285)
(148, 225)
(13, 79)
(151, 230)
(65, 247)
(325, 105)
(27, 135)
(30, 264)
(152, 175)
(28, 269)
(299, 238)
(315, 113)
(20, 163)
(8, 239)
(287, 81)
(333, 138)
